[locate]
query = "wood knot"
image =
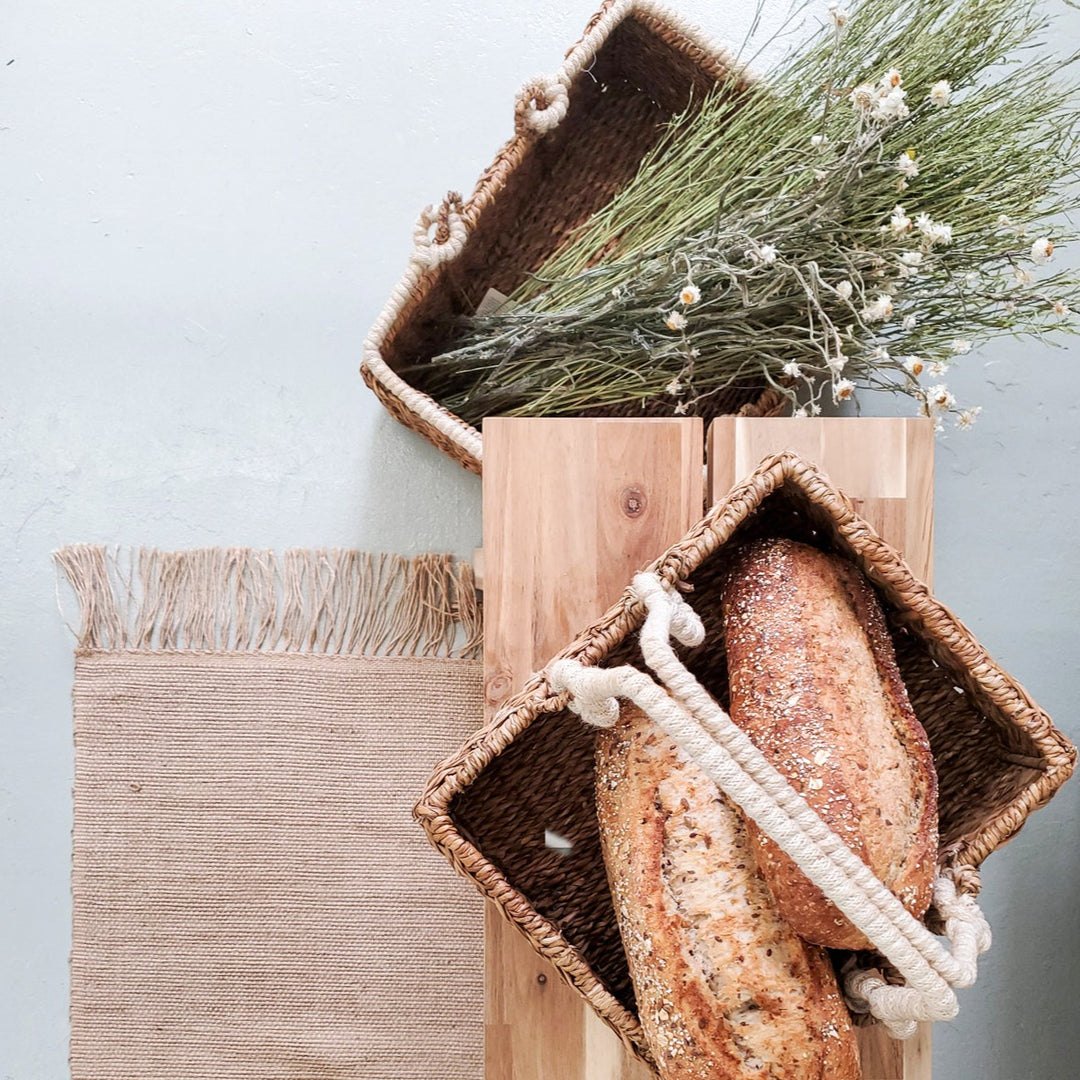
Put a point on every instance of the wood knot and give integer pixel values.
(633, 501)
(497, 687)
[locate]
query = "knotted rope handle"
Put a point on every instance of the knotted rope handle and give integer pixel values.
(688, 714)
(431, 249)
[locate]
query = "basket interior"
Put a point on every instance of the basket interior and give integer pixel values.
(544, 779)
(619, 109)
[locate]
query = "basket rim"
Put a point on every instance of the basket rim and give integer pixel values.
(417, 409)
(883, 565)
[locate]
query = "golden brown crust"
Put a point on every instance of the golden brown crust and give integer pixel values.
(814, 683)
(725, 989)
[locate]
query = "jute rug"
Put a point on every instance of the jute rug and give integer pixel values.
(251, 896)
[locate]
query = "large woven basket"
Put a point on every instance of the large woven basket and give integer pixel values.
(998, 756)
(580, 136)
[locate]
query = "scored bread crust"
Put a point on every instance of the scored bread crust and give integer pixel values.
(814, 683)
(725, 988)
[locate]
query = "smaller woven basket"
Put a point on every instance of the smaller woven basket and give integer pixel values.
(580, 136)
(998, 756)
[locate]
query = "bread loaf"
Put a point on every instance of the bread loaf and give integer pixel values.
(725, 988)
(815, 685)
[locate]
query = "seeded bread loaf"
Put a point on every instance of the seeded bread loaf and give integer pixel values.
(725, 988)
(815, 685)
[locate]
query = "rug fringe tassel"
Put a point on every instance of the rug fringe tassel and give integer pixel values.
(241, 599)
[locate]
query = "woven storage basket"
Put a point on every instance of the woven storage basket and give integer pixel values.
(998, 756)
(580, 136)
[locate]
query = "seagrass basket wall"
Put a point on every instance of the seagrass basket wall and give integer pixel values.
(998, 756)
(580, 137)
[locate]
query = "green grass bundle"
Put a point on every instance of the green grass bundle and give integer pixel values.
(889, 197)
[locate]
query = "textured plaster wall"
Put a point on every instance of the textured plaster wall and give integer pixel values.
(203, 207)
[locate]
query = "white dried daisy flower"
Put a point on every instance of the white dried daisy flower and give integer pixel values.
(891, 106)
(1042, 250)
(899, 223)
(934, 232)
(680, 408)
(1061, 309)
(844, 289)
(891, 80)
(766, 254)
(863, 97)
(792, 369)
(940, 397)
(815, 409)
(1004, 221)
(966, 419)
(818, 140)
(941, 93)
(837, 363)
(960, 346)
(878, 310)
(938, 368)
(839, 16)
(910, 322)
(908, 164)
(820, 174)
(675, 320)
(843, 389)
(801, 412)
(1022, 276)
(674, 388)
(914, 365)
(1010, 307)
(912, 258)
(690, 293)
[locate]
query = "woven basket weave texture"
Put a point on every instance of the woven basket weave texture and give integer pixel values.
(998, 756)
(634, 70)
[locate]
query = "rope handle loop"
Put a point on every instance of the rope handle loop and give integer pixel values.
(432, 249)
(542, 104)
(686, 712)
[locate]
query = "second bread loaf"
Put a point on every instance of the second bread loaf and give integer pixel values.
(814, 683)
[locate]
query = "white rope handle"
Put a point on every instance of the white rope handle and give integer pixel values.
(688, 714)
(431, 250)
(542, 103)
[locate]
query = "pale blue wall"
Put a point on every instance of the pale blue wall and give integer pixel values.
(204, 206)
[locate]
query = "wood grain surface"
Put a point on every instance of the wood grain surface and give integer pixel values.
(572, 508)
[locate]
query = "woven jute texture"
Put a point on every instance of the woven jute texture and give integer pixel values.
(251, 895)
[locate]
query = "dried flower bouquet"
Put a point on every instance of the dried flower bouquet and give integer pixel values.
(888, 198)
